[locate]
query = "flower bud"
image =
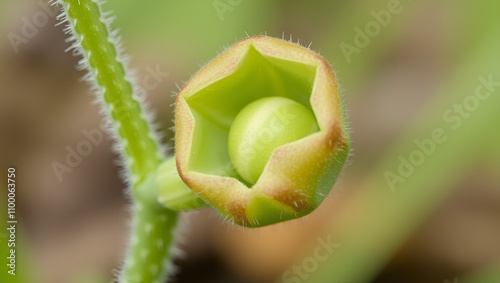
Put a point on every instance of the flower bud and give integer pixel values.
(261, 131)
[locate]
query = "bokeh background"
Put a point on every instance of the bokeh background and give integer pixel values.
(442, 224)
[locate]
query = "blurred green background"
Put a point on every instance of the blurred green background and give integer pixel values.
(407, 69)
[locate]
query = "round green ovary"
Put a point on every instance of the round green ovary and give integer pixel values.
(261, 127)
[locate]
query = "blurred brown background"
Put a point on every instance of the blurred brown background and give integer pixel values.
(75, 230)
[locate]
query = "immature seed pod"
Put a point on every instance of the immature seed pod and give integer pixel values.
(261, 131)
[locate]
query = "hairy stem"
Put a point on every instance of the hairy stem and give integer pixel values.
(149, 252)
(153, 224)
(92, 34)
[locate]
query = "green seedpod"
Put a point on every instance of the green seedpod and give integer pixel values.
(221, 111)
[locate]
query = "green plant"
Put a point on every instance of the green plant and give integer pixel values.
(153, 224)
(298, 174)
(297, 105)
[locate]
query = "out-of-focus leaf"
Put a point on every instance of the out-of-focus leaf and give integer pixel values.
(389, 218)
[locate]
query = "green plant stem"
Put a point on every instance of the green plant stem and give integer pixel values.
(149, 252)
(92, 33)
(153, 224)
